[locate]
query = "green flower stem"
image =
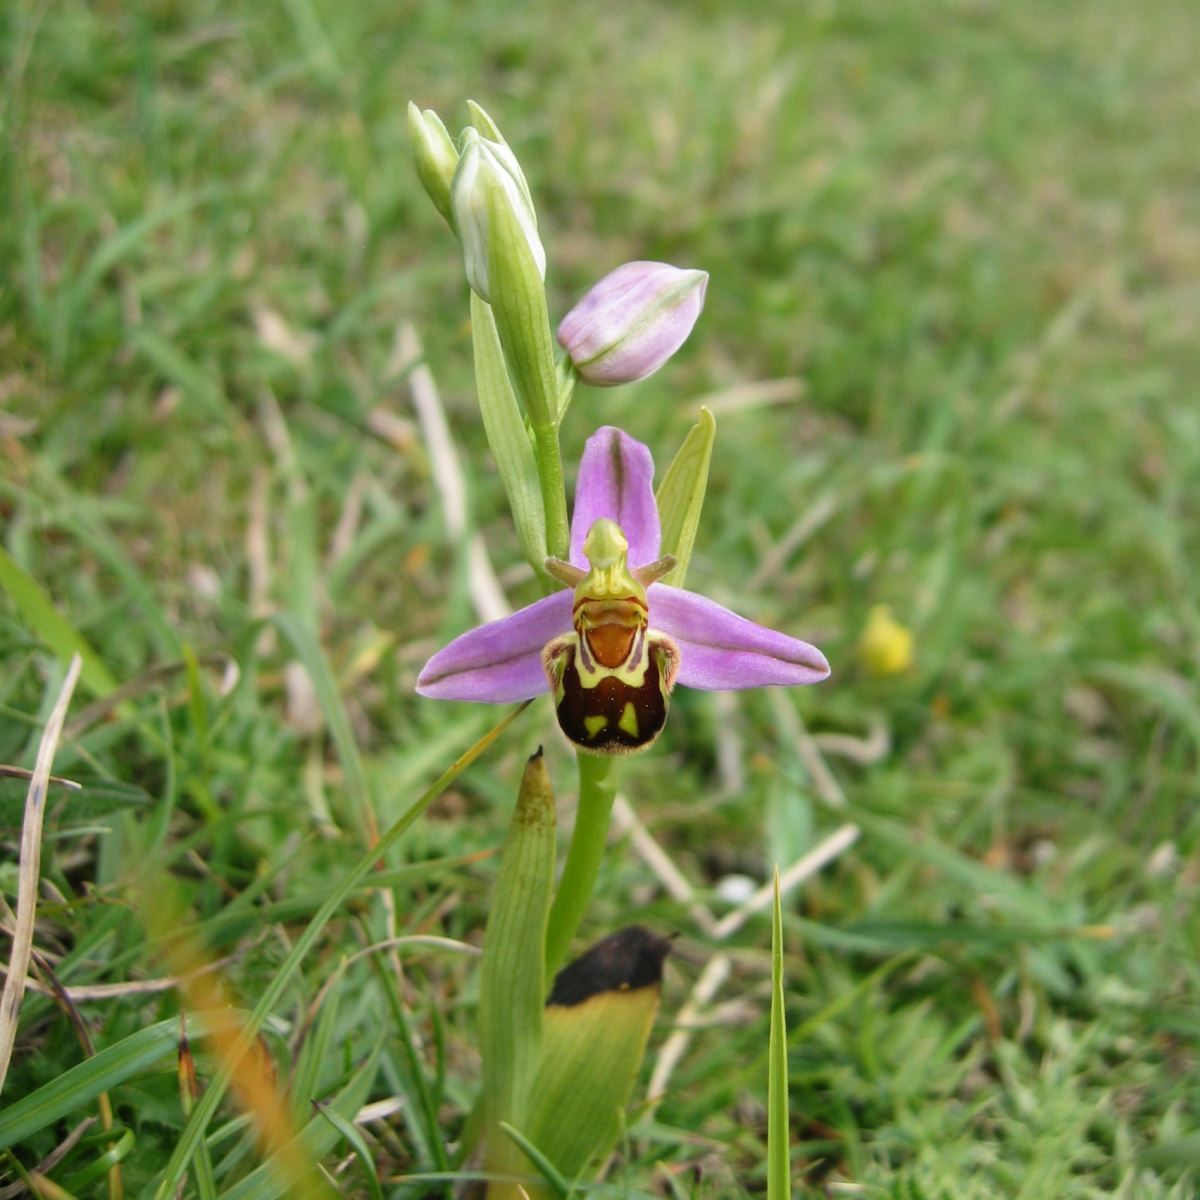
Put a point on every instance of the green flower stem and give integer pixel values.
(597, 791)
(554, 491)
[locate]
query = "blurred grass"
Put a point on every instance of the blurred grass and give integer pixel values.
(967, 237)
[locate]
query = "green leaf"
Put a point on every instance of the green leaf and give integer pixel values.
(681, 495)
(507, 436)
(779, 1162)
(358, 1144)
(425, 1101)
(102, 1072)
(101, 1165)
(314, 1054)
(92, 800)
(560, 1189)
(594, 1037)
(60, 635)
(512, 988)
(318, 1137)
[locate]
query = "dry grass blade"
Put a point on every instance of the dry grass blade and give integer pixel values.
(837, 842)
(8, 772)
(797, 735)
(30, 870)
(98, 710)
(13, 1190)
(408, 359)
(85, 993)
(673, 880)
(715, 972)
(744, 397)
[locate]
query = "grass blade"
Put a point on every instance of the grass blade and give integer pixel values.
(358, 1144)
(317, 1138)
(30, 871)
(779, 1162)
(559, 1187)
(313, 659)
(214, 1093)
(35, 605)
(111, 1157)
(111, 1066)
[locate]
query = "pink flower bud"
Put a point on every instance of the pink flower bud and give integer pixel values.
(632, 321)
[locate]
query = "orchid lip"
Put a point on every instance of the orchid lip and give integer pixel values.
(717, 649)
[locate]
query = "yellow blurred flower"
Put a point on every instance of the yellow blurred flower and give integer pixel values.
(886, 646)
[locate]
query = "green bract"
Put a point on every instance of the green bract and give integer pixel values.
(508, 436)
(680, 496)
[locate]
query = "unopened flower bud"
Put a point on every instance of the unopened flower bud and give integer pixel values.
(490, 201)
(632, 321)
(435, 156)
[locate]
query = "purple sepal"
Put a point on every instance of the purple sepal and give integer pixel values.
(616, 480)
(501, 661)
(720, 651)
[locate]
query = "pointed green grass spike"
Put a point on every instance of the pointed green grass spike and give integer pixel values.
(597, 1023)
(512, 985)
(681, 495)
(779, 1163)
(507, 436)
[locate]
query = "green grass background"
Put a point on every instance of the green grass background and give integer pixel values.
(965, 234)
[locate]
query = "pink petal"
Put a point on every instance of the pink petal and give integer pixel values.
(501, 661)
(720, 651)
(616, 480)
(632, 321)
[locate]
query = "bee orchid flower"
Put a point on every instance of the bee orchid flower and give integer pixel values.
(611, 646)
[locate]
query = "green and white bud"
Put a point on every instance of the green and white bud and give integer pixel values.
(490, 199)
(490, 132)
(435, 155)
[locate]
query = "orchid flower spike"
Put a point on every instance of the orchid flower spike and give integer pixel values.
(612, 647)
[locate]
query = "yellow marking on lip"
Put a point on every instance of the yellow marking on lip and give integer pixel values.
(629, 721)
(615, 604)
(594, 725)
